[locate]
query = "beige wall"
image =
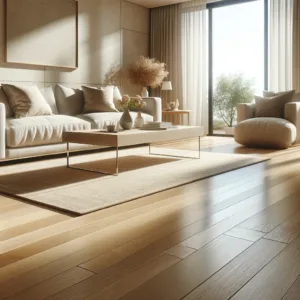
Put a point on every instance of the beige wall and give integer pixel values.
(111, 33)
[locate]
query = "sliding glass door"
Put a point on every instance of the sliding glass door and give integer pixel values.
(238, 60)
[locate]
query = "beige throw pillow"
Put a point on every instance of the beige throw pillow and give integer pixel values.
(26, 101)
(4, 100)
(272, 107)
(296, 96)
(98, 100)
(69, 101)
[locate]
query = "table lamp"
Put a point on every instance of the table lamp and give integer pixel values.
(166, 86)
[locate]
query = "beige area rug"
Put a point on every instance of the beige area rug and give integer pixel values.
(49, 182)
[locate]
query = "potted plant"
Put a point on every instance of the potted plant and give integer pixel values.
(147, 72)
(231, 90)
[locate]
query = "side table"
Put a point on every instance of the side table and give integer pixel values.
(177, 117)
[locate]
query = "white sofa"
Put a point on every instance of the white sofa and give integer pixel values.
(42, 135)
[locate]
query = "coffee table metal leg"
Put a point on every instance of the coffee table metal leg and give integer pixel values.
(90, 170)
(178, 156)
(117, 160)
(68, 155)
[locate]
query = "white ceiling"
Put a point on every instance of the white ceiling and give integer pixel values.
(156, 3)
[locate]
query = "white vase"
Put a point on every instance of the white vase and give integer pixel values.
(139, 120)
(145, 93)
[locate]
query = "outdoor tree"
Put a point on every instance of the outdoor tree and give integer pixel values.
(231, 90)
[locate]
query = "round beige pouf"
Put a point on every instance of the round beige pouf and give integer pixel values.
(265, 133)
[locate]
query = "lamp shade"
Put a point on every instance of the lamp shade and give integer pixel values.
(166, 86)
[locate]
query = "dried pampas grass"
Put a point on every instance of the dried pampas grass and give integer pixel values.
(147, 72)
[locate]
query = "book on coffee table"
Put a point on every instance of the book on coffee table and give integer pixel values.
(157, 126)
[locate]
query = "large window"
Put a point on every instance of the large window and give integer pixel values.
(237, 58)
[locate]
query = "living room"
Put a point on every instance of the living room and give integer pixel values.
(149, 149)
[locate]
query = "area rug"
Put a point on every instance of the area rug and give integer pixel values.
(51, 183)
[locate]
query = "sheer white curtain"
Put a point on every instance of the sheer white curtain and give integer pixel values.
(280, 30)
(296, 46)
(194, 60)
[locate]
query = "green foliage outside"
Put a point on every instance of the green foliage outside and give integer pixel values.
(229, 92)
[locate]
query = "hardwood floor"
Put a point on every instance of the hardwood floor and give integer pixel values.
(231, 236)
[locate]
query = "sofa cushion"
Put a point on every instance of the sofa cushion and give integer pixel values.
(272, 107)
(117, 97)
(49, 97)
(69, 101)
(97, 120)
(265, 133)
(42, 130)
(98, 100)
(26, 101)
(4, 100)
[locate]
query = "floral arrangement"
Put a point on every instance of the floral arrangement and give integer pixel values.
(147, 72)
(132, 103)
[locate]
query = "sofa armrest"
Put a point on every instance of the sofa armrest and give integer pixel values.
(292, 114)
(153, 108)
(245, 111)
(2, 131)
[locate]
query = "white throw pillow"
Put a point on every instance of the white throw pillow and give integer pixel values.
(26, 101)
(117, 97)
(49, 97)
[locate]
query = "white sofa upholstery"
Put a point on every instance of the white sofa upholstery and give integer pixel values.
(41, 130)
(42, 135)
(268, 132)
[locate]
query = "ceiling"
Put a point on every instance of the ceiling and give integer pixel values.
(156, 3)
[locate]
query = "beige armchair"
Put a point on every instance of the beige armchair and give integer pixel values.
(268, 132)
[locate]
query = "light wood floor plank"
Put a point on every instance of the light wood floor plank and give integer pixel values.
(179, 280)
(13, 221)
(270, 218)
(225, 283)
(294, 292)
(276, 278)
(180, 251)
(134, 280)
(246, 234)
(287, 231)
(53, 285)
(31, 226)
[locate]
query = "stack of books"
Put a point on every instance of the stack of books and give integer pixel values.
(157, 126)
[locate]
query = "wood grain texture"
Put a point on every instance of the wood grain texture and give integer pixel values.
(192, 271)
(287, 231)
(276, 278)
(225, 283)
(246, 234)
(294, 291)
(180, 251)
(53, 285)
